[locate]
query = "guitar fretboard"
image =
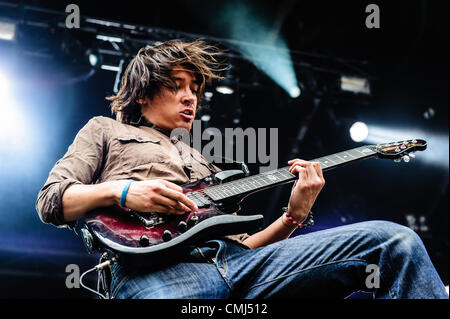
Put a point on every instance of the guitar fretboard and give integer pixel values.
(282, 175)
(338, 159)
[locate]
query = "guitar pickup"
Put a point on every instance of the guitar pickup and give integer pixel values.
(199, 199)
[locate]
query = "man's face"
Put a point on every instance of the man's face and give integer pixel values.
(170, 110)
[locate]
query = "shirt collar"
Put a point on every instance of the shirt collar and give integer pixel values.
(143, 121)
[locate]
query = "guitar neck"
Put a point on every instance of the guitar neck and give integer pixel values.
(342, 158)
(279, 176)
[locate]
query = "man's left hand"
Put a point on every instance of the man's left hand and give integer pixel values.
(306, 189)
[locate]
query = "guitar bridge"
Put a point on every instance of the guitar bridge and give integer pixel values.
(148, 219)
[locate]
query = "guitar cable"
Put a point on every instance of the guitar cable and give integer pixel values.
(98, 268)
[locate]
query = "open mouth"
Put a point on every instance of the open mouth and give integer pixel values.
(187, 114)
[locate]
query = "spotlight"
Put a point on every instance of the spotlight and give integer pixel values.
(228, 84)
(4, 86)
(429, 113)
(205, 117)
(355, 85)
(359, 131)
(294, 92)
(10, 132)
(7, 30)
(225, 87)
(109, 38)
(93, 57)
(208, 95)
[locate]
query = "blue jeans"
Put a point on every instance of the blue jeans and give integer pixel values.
(379, 256)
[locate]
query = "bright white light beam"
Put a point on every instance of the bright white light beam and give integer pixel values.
(359, 131)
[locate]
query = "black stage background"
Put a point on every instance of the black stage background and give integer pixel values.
(54, 92)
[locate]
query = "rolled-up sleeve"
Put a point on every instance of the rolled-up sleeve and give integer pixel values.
(80, 165)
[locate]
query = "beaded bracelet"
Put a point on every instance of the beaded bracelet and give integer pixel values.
(309, 221)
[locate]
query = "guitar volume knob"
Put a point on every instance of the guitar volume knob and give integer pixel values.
(182, 226)
(144, 241)
(167, 235)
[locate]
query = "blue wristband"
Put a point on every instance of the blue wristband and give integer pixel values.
(124, 193)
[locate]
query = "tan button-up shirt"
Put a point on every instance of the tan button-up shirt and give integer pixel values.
(105, 150)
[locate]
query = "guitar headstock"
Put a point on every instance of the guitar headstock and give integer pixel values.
(400, 150)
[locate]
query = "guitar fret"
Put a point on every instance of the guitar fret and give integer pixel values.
(364, 150)
(321, 162)
(344, 156)
(348, 154)
(327, 160)
(340, 158)
(356, 152)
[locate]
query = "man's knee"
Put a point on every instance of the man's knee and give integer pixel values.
(392, 234)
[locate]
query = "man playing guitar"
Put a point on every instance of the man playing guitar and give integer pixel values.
(133, 162)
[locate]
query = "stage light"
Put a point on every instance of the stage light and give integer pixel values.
(110, 68)
(109, 38)
(7, 30)
(205, 117)
(359, 131)
(19, 135)
(12, 122)
(93, 59)
(208, 95)
(226, 86)
(294, 92)
(429, 113)
(4, 86)
(223, 89)
(253, 36)
(355, 85)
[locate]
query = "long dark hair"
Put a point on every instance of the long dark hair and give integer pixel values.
(150, 70)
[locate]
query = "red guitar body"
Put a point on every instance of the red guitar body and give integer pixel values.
(153, 238)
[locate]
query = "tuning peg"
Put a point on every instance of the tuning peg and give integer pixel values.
(398, 160)
(412, 155)
(405, 158)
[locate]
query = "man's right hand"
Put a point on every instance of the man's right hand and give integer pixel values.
(158, 196)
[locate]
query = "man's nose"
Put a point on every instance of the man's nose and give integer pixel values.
(189, 97)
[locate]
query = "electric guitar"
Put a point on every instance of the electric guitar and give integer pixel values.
(137, 238)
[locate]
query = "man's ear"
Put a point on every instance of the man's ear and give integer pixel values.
(141, 101)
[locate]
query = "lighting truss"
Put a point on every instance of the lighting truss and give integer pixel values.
(120, 40)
